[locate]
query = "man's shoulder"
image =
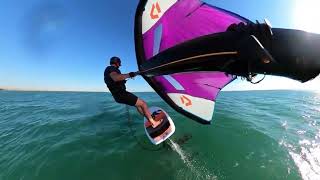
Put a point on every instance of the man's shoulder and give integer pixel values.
(110, 69)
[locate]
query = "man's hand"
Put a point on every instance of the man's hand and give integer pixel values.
(132, 74)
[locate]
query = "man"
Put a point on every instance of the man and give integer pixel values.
(115, 81)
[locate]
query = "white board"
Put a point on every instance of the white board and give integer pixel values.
(163, 131)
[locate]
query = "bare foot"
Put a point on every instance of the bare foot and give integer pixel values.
(157, 118)
(154, 124)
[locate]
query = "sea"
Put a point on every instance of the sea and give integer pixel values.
(254, 135)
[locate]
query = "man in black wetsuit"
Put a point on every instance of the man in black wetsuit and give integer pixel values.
(115, 81)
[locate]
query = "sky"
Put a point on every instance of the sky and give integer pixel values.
(66, 45)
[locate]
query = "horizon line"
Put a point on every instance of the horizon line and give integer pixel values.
(98, 91)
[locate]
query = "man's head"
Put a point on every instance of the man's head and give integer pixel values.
(115, 61)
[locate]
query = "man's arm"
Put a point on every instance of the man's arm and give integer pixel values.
(118, 77)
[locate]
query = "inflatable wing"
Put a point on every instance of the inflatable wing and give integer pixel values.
(188, 50)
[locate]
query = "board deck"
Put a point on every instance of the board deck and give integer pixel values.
(163, 131)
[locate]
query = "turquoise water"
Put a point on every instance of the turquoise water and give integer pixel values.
(66, 135)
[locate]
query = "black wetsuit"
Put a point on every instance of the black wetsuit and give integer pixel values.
(118, 89)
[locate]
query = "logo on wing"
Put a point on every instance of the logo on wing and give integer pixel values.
(155, 11)
(186, 101)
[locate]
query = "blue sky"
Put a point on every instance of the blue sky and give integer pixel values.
(65, 45)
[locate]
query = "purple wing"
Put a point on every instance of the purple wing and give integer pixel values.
(164, 24)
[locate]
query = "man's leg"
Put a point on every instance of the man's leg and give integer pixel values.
(140, 110)
(132, 100)
(140, 104)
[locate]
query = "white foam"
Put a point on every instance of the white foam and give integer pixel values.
(307, 158)
(199, 172)
(177, 148)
